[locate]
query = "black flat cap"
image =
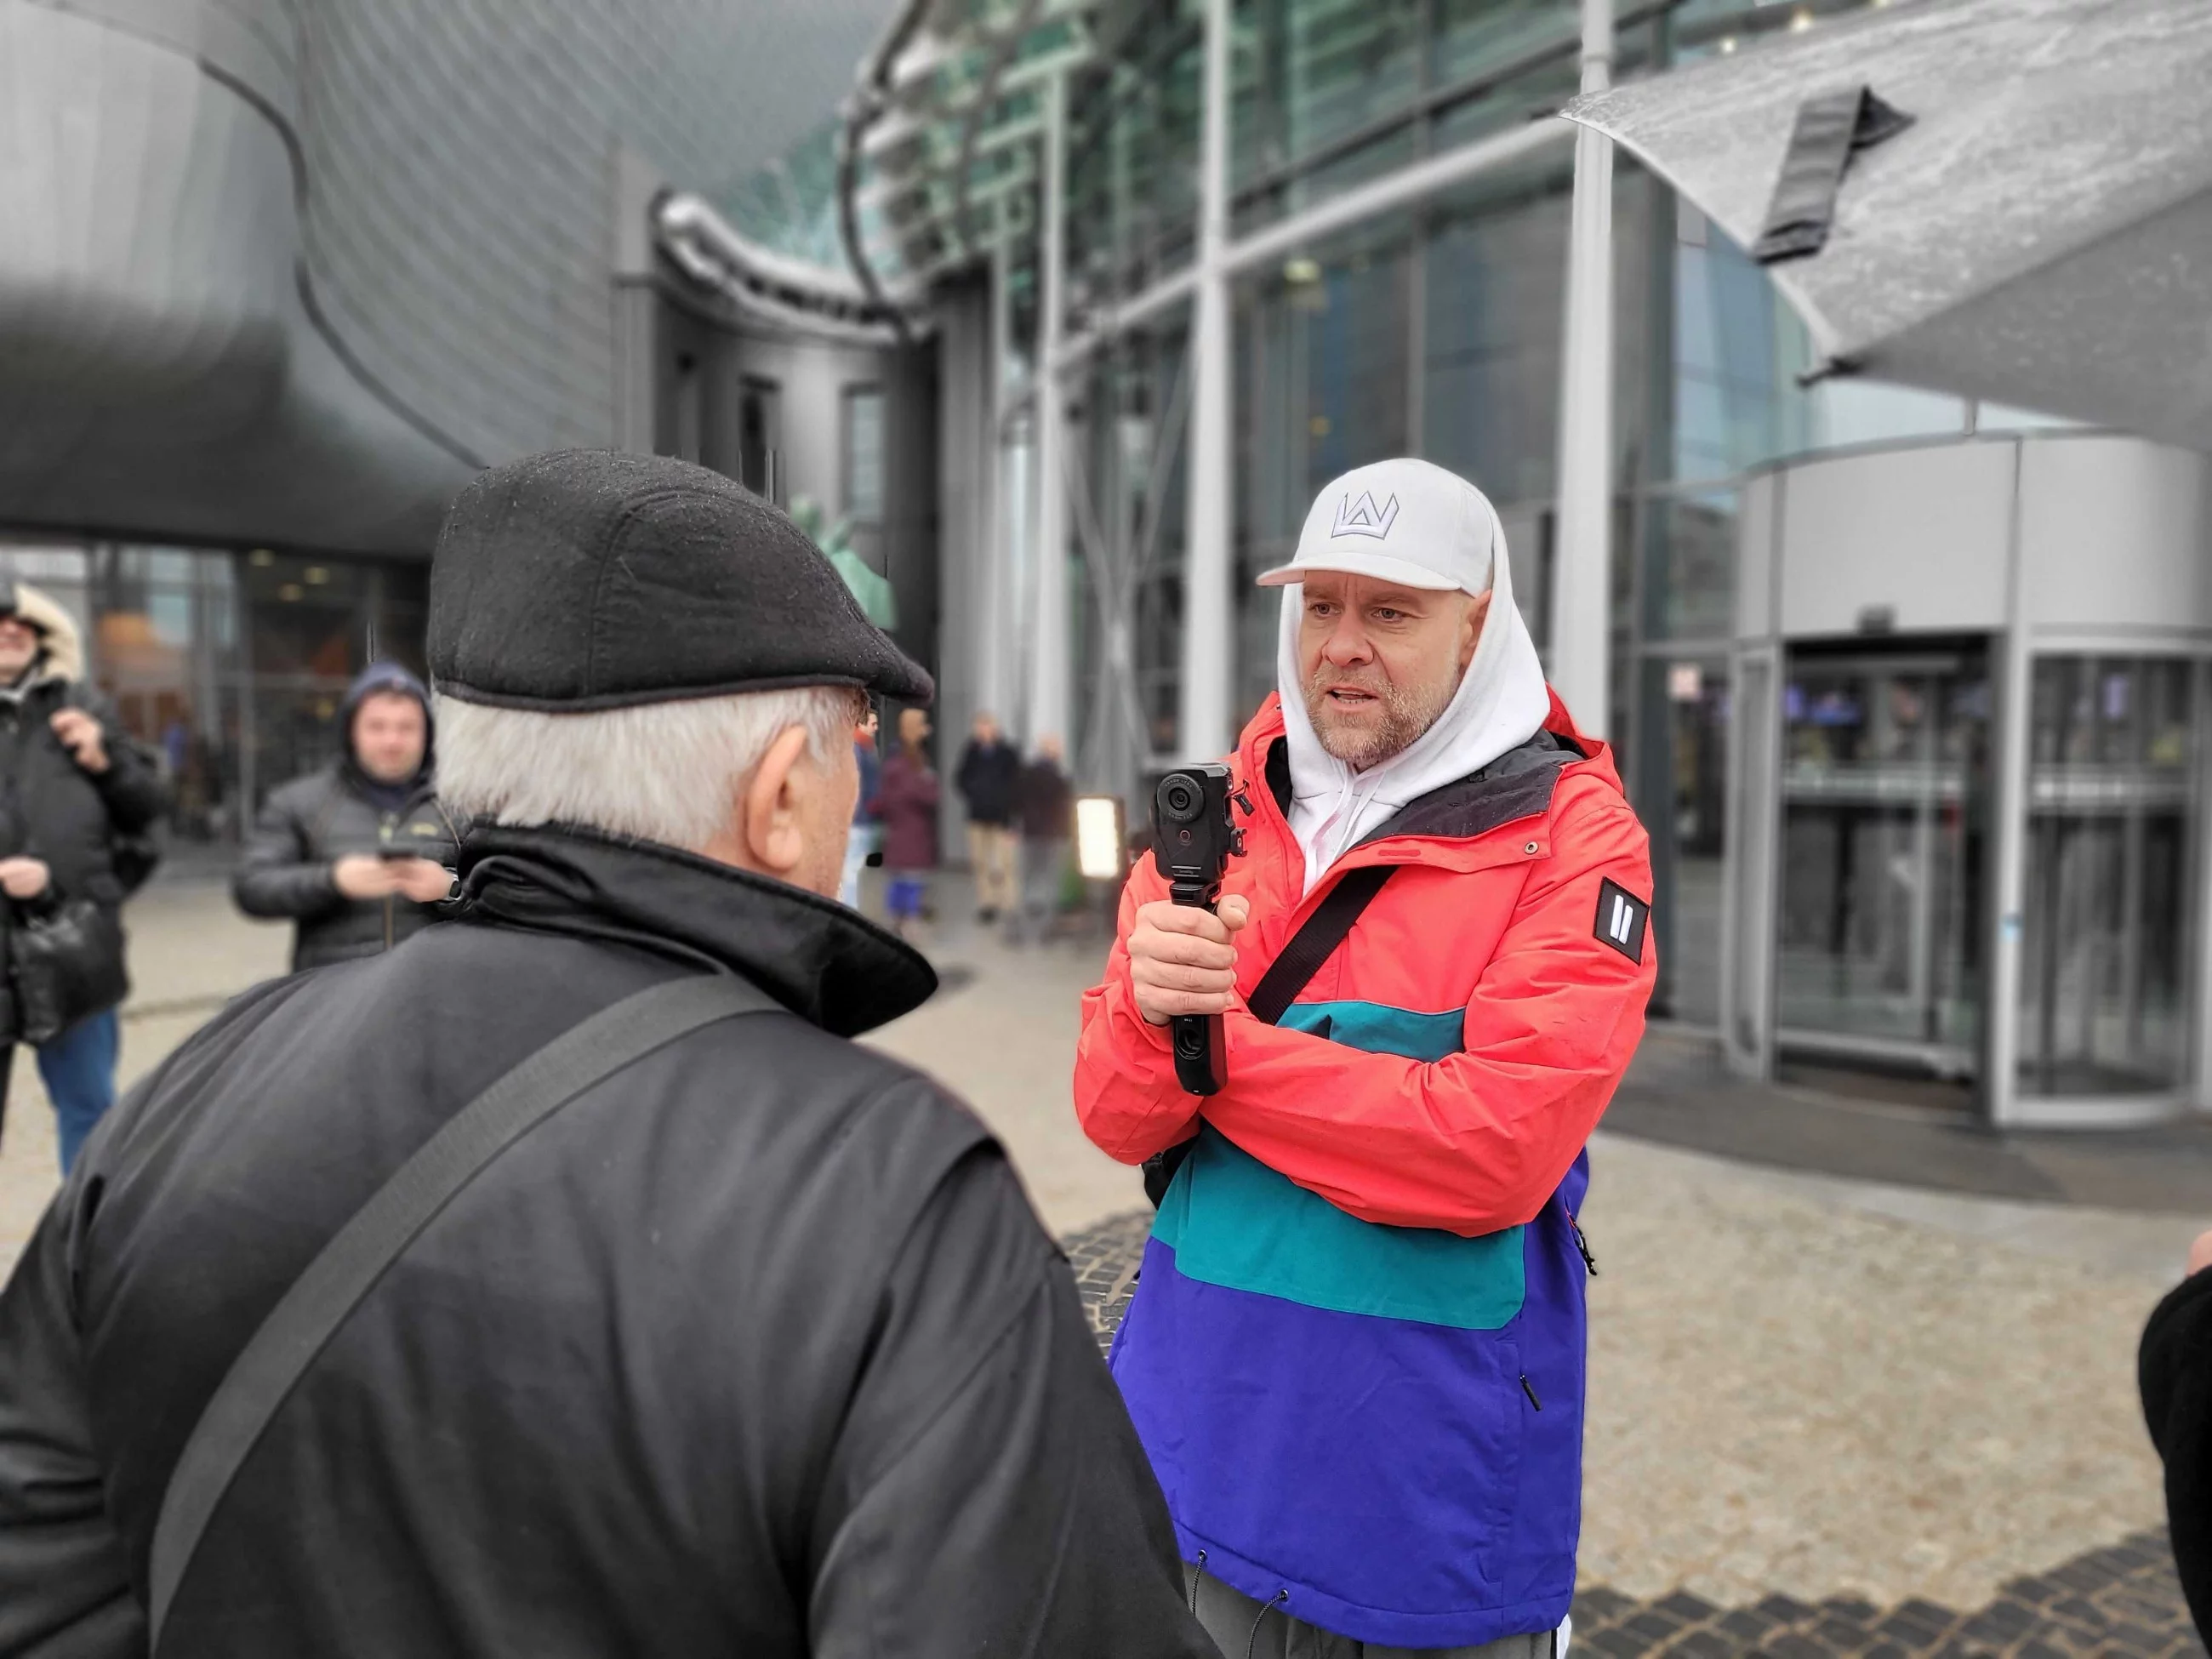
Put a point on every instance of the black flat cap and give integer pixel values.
(592, 579)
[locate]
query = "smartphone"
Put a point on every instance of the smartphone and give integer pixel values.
(392, 855)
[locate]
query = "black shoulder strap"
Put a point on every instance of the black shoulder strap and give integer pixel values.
(1289, 973)
(1317, 941)
(321, 1300)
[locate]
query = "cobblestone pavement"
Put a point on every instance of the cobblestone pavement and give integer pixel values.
(2119, 1602)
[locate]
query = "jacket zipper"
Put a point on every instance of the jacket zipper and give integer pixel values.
(391, 900)
(1582, 1244)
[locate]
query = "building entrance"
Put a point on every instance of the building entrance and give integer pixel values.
(1881, 853)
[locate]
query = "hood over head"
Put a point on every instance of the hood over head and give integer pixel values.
(1423, 521)
(64, 656)
(380, 678)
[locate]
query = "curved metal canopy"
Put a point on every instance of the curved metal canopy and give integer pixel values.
(2040, 236)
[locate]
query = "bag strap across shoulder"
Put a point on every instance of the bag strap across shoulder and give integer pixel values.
(319, 1302)
(1289, 973)
(1316, 941)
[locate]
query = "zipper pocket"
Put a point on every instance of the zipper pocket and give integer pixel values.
(1582, 1244)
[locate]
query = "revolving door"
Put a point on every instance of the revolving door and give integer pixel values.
(1868, 817)
(1882, 853)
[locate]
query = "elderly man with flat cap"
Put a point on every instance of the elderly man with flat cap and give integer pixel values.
(564, 1282)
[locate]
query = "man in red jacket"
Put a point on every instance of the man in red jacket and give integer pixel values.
(1356, 1352)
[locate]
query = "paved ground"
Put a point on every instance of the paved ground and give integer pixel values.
(1678, 1092)
(1827, 1414)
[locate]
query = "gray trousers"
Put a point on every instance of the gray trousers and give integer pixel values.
(1043, 864)
(1239, 1625)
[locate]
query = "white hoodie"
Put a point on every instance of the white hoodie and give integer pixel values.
(1502, 699)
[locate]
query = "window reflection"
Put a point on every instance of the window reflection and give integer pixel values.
(2107, 922)
(230, 666)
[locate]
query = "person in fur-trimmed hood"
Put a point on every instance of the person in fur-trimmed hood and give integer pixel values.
(70, 783)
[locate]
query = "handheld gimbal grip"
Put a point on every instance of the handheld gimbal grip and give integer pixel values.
(1201, 1048)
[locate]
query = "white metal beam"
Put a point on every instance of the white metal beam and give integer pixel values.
(1051, 662)
(1582, 584)
(1209, 631)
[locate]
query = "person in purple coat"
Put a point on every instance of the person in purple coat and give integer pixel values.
(906, 806)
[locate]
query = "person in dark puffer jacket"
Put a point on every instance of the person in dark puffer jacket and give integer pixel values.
(2174, 1371)
(70, 780)
(359, 854)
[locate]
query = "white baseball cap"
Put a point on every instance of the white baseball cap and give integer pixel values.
(1403, 521)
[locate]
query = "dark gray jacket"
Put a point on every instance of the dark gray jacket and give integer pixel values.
(308, 826)
(755, 1349)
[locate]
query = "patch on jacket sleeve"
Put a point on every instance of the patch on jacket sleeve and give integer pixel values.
(1621, 920)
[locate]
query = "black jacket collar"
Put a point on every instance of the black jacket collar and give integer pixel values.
(823, 962)
(1518, 784)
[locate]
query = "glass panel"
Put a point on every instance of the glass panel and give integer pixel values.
(1737, 350)
(1746, 1035)
(863, 453)
(1847, 411)
(1885, 761)
(1689, 566)
(1474, 35)
(758, 427)
(1322, 70)
(1133, 154)
(2108, 907)
(1491, 334)
(1135, 436)
(1327, 340)
(2004, 417)
(1680, 782)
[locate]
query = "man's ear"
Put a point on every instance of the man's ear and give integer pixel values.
(770, 806)
(1470, 630)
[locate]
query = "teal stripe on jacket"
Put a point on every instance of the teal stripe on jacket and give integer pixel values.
(1234, 1222)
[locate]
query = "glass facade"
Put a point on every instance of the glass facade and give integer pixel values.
(231, 667)
(1866, 794)
(1132, 449)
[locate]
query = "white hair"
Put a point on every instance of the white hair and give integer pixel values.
(666, 772)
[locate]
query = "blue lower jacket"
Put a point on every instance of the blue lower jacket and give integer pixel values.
(1384, 1422)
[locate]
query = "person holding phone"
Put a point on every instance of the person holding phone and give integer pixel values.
(358, 855)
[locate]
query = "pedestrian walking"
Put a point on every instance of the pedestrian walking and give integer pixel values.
(1355, 1353)
(2174, 1369)
(80, 796)
(728, 1335)
(989, 780)
(358, 855)
(1047, 807)
(907, 796)
(864, 837)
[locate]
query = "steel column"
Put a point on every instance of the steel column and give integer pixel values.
(1582, 571)
(2013, 670)
(1050, 659)
(1209, 633)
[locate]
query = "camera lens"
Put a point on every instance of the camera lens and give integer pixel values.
(1179, 799)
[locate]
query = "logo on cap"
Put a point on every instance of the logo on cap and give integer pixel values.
(1357, 515)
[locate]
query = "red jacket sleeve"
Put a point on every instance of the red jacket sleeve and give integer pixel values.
(1472, 1143)
(1126, 1092)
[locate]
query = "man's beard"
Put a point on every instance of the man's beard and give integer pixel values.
(1407, 712)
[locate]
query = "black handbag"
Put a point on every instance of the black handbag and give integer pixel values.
(66, 963)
